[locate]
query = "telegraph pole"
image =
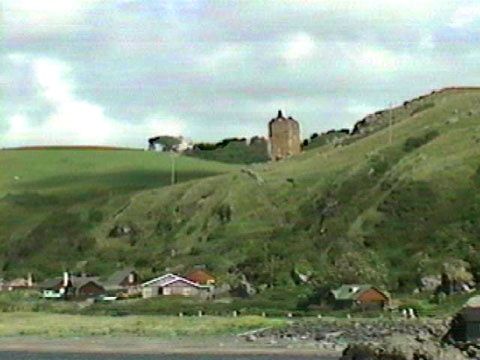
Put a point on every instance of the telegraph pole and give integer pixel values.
(173, 177)
(390, 121)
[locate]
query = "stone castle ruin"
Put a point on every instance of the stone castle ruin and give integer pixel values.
(284, 136)
(283, 141)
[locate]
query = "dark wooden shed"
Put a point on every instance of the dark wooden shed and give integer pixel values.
(465, 326)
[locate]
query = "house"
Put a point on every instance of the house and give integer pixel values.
(201, 277)
(123, 281)
(70, 286)
(54, 288)
(18, 284)
(361, 296)
(171, 284)
(85, 287)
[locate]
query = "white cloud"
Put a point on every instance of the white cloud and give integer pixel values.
(23, 18)
(52, 76)
(42, 10)
(224, 57)
(298, 48)
(426, 42)
(119, 70)
(359, 110)
(77, 122)
(465, 15)
(377, 60)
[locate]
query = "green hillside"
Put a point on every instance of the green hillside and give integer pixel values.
(391, 203)
(51, 200)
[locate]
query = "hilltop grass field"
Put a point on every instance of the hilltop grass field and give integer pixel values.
(64, 171)
(396, 201)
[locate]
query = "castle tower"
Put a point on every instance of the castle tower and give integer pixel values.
(284, 136)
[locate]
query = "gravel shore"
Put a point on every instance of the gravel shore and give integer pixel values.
(322, 337)
(144, 345)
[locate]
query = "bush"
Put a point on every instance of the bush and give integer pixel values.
(422, 107)
(476, 177)
(413, 143)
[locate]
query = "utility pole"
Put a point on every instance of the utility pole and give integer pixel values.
(390, 121)
(173, 177)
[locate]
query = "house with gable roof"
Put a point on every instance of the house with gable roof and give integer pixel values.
(123, 281)
(171, 284)
(71, 286)
(360, 296)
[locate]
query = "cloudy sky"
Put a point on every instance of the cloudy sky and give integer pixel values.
(115, 72)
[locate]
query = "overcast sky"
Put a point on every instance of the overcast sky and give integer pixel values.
(115, 72)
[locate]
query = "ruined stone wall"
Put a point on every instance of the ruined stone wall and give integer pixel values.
(284, 136)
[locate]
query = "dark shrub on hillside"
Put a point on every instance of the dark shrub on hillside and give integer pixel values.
(95, 216)
(413, 143)
(378, 164)
(32, 199)
(476, 177)
(224, 213)
(233, 150)
(422, 107)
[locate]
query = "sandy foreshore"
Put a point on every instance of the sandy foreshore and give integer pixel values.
(151, 345)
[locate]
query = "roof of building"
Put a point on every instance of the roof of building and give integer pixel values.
(117, 277)
(473, 302)
(20, 282)
(161, 280)
(280, 117)
(200, 276)
(352, 291)
(49, 283)
(79, 281)
(168, 279)
(470, 314)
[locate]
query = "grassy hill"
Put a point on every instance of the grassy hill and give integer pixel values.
(391, 203)
(51, 200)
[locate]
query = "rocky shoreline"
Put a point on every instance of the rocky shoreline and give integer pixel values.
(368, 339)
(341, 332)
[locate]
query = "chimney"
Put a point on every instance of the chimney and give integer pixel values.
(66, 278)
(279, 114)
(131, 278)
(29, 280)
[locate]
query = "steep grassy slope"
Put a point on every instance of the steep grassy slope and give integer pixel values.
(51, 200)
(387, 205)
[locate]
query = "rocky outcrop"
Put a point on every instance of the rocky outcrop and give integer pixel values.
(343, 331)
(403, 347)
(122, 230)
(359, 335)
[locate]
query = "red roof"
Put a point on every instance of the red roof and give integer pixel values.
(200, 277)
